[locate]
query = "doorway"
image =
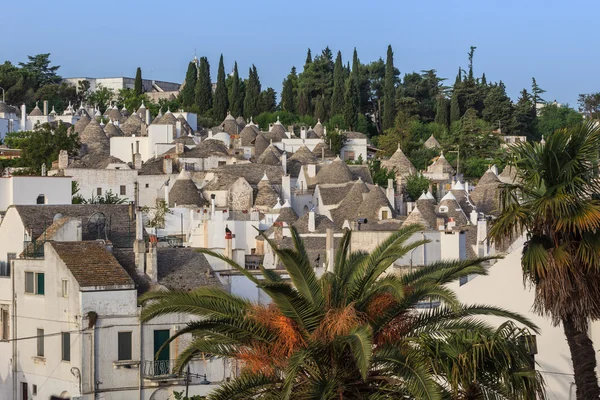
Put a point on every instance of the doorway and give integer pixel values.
(161, 365)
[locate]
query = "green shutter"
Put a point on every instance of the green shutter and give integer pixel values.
(124, 346)
(66, 346)
(40, 283)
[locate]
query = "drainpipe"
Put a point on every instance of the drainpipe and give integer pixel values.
(93, 361)
(141, 366)
(14, 335)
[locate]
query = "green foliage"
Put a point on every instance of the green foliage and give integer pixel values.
(108, 198)
(380, 174)
(423, 90)
(337, 98)
(203, 90)
(337, 140)
(475, 136)
(158, 214)
(268, 100)
(181, 396)
(221, 102)
(389, 101)
(187, 95)
(290, 92)
(554, 117)
(351, 106)
(138, 87)
(589, 105)
(101, 97)
(442, 112)
(498, 110)
(39, 68)
(536, 93)
(316, 82)
(236, 100)
(58, 95)
(525, 116)
(416, 185)
(253, 90)
(336, 122)
(422, 157)
(354, 332)
(42, 145)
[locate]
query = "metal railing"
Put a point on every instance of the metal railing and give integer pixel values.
(160, 369)
(33, 248)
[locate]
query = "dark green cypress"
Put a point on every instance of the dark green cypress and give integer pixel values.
(454, 108)
(337, 98)
(483, 80)
(139, 89)
(351, 103)
(221, 103)
(308, 59)
(288, 94)
(442, 116)
(187, 93)
(357, 78)
(471, 53)
(389, 97)
(252, 99)
(203, 87)
(235, 98)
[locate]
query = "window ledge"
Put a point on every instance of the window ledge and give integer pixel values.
(125, 364)
(38, 359)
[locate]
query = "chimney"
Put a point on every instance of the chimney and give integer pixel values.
(23, 117)
(329, 249)
(144, 130)
(311, 221)
(178, 128)
(212, 205)
(148, 120)
(210, 133)
(63, 159)
(137, 157)
(286, 188)
(325, 131)
(389, 193)
(312, 170)
(284, 162)
(473, 217)
(179, 148)
(302, 132)
(228, 243)
(167, 192)
(152, 263)
(168, 165)
(45, 107)
(139, 246)
(44, 169)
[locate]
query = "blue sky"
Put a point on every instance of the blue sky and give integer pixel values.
(555, 41)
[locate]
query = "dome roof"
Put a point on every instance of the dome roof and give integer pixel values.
(133, 125)
(319, 130)
(278, 129)
(287, 214)
(125, 112)
(247, 136)
(112, 130)
(322, 149)
(336, 172)
(267, 196)
(81, 124)
(36, 112)
(5, 108)
(374, 200)
(113, 114)
(399, 163)
(93, 139)
(230, 126)
(304, 156)
(168, 119)
(184, 192)
(240, 121)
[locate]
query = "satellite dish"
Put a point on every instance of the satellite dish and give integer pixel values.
(97, 223)
(57, 217)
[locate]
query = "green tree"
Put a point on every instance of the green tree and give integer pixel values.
(42, 145)
(389, 101)
(589, 105)
(101, 97)
(353, 332)
(337, 98)
(416, 185)
(39, 68)
(58, 95)
(236, 101)
(475, 136)
(268, 100)
(351, 103)
(221, 103)
(525, 116)
(498, 111)
(536, 93)
(317, 83)
(308, 59)
(138, 87)
(471, 54)
(203, 91)
(361, 82)
(289, 93)
(379, 174)
(337, 140)
(187, 95)
(253, 90)
(108, 198)
(554, 201)
(442, 114)
(553, 117)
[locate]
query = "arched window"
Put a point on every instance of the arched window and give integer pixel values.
(41, 199)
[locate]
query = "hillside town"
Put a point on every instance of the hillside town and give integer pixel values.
(164, 240)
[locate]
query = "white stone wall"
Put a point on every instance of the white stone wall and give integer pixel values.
(89, 180)
(24, 190)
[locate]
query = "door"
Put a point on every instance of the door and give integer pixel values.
(24, 391)
(161, 365)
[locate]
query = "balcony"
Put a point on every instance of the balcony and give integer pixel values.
(33, 248)
(162, 371)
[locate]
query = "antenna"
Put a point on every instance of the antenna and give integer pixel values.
(97, 223)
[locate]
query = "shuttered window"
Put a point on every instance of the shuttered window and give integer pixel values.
(124, 344)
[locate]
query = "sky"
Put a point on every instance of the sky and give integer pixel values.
(553, 41)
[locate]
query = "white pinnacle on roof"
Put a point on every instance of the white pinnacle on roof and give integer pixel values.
(53, 112)
(98, 113)
(286, 204)
(458, 186)
(277, 205)
(429, 196)
(124, 109)
(448, 196)
(423, 196)
(265, 178)
(229, 116)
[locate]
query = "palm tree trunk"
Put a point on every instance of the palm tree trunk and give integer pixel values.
(583, 357)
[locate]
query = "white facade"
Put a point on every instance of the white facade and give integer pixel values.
(121, 146)
(28, 190)
(119, 83)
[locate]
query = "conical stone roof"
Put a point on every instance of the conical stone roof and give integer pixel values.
(133, 125)
(93, 139)
(336, 172)
(81, 124)
(374, 200)
(36, 112)
(319, 130)
(304, 156)
(287, 214)
(267, 195)
(112, 130)
(184, 192)
(349, 206)
(168, 119)
(247, 136)
(399, 163)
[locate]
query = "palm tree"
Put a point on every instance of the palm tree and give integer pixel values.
(554, 201)
(355, 332)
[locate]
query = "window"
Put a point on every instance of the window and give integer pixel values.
(147, 185)
(40, 343)
(443, 209)
(65, 288)
(384, 214)
(24, 391)
(5, 326)
(123, 190)
(349, 155)
(41, 199)
(5, 266)
(221, 163)
(34, 390)
(66, 346)
(34, 283)
(189, 166)
(98, 191)
(124, 345)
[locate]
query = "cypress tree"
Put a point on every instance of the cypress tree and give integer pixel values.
(337, 98)
(320, 111)
(471, 53)
(454, 108)
(302, 102)
(252, 99)
(483, 80)
(138, 82)
(203, 91)
(221, 103)
(235, 98)
(351, 103)
(357, 79)
(442, 116)
(536, 91)
(187, 93)
(308, 59)
(389, 98)
(288, 94)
